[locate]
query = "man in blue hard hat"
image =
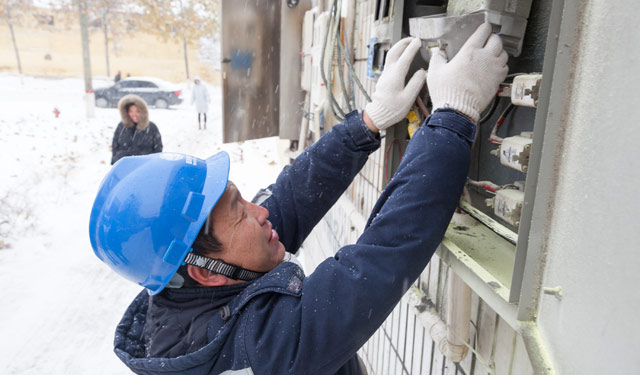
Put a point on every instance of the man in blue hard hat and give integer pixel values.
(224, 297)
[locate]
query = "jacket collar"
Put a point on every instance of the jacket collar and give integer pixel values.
(286, 278)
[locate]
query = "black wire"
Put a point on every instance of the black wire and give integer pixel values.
(492, 108)
(488, 113)
(479, 148)
(503, 116)
(506, 112)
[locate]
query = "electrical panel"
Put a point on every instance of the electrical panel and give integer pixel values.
(494, 200)
(495, 193)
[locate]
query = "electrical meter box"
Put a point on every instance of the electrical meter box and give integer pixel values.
(449, 31)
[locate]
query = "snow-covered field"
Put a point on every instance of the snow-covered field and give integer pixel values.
(58, 304)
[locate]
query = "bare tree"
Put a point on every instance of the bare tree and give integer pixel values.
(12, 12)
(112, 15)
(184, 21)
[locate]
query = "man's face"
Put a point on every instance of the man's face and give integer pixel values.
(247, 237)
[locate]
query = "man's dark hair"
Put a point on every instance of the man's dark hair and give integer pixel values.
(205, 245)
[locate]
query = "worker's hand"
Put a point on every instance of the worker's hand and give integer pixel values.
(392, 99)
(469, 81)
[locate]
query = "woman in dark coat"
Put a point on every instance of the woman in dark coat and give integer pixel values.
(135, 134)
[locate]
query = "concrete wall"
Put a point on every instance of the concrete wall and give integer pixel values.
(592, 243)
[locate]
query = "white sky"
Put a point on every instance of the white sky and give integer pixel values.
(59, 304)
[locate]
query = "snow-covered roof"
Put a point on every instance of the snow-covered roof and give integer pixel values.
(159, 82)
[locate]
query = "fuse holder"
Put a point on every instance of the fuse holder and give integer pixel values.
(514, 152)
(507, 205)
(525, 90)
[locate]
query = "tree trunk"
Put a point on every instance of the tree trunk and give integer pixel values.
(86, 56)
(89, 96)
(186, 59)
(184, 41)
(13, 39)
(106, 43)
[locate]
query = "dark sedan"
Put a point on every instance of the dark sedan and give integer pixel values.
(156, 92)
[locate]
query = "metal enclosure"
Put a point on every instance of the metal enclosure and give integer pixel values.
(291, 94)
(250, 69)
(483, 256)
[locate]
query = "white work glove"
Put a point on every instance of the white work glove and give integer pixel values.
(470, 80)
(392, 99)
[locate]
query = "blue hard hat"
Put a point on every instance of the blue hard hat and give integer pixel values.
(149, 210)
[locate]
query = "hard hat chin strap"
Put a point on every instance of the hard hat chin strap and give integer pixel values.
(221, 267)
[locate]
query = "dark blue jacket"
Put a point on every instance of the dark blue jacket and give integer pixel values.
(285, 323)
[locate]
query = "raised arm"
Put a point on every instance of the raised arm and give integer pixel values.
(348, 296)
(306, 191)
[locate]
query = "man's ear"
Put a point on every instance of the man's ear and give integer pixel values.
(206, 277)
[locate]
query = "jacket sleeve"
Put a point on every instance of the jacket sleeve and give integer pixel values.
(350, 295)
(306, 189)
(157, 139)
(115, 146)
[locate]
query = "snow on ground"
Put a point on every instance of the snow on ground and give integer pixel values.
(59, 305)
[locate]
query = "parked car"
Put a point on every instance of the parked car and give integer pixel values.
(156, 92)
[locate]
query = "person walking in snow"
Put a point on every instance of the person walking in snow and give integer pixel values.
(118, 77)
(135, 134)
(200, 96)
(223, 292)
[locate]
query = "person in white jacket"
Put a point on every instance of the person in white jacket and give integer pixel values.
(200, 96)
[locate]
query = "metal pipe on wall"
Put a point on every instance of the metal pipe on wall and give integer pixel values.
(458, 314)
(451, 337)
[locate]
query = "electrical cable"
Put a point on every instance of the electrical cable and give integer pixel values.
(324, 46)
(336, 109)
(386, 157)
(348, 60)
(341, 70)
(422, 107)
(492, 108)
(334, 103)
(493, 138)
(336, 23)
(485, 185)
(513, 75)
(327, 82)
(355, 76)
